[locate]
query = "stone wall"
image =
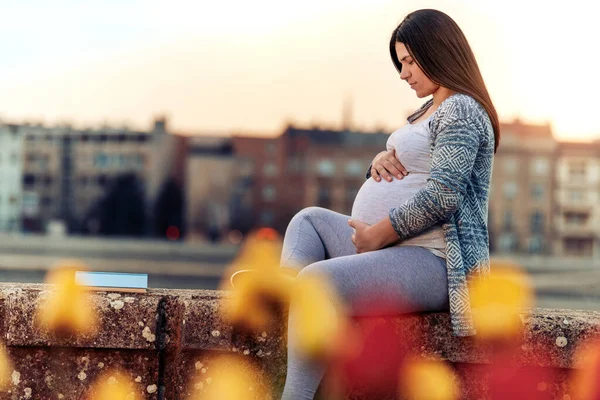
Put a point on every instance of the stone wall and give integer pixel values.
(167, 339)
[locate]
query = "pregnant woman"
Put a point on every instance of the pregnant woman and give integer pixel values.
(412, 242)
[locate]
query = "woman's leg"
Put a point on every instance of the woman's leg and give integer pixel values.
(316, 234)
(390, 281)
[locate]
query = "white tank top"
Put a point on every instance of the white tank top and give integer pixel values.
(374, 200)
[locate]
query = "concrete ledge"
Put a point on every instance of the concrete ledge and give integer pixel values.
(170, 356)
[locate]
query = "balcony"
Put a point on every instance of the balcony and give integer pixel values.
(573, 230)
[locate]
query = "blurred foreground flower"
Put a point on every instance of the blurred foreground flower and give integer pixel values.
(377, 350)
(321, 326)
(509, 381)
(586, 380)
(5, 368)
(497, 300)
(230, 377)
(259, 293)
(113, 385)
(66, 310)
(428, 380)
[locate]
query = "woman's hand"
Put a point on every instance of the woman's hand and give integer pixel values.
(372, 237)
(385, 165)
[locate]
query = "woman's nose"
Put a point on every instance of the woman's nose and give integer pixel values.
(404, 74)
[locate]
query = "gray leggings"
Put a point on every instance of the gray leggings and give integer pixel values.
(389, 281)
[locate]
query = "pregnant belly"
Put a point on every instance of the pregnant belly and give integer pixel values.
(374, 200)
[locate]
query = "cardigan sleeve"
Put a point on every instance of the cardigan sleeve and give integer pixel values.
(454, 152)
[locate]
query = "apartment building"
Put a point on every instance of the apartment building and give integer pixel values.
(11, 166)
(577, 196)
(66, 171)
(218, 188)
(306, 167)
(522, 202)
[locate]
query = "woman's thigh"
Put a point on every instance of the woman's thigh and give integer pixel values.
(387, 281)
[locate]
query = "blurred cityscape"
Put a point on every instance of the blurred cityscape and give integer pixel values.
(177, 205)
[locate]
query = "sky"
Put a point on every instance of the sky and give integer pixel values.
(238, 66)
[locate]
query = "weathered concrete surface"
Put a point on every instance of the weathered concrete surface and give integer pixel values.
(49, 373)
(168, 340)
(125, 320)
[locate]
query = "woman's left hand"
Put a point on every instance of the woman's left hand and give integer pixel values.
(362, 239)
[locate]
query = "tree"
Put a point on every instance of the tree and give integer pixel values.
(169, 211)
(122, 209)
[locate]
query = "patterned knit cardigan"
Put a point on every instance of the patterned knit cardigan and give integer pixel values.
(456, 194)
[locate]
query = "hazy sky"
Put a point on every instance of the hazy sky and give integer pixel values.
(249, 66)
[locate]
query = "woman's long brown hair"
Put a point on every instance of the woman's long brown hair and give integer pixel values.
(441, 50)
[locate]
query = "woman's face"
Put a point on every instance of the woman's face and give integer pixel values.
(413, 75)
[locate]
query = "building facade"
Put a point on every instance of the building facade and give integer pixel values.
(218, 189)
(66, 171)
(522, 193)
(577, 217)
(11, 171)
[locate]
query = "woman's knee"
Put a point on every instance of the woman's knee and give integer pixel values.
(309, 212)
(314, 270)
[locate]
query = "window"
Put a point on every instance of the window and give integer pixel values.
(508, 242)
(326, 168)
(295, 164)
(537, 222)
(510, 190)
(351, 193)
(246, 168)
(576, 219)
(270, 169)
(536, 245)
(511, 165)
(101, 160)
(356, 168)
(537, 191)
(579, 247)
(270, 148)
(577, 170)
(29, 179)
(267, 217)
(508, 220)
(576, 196)
(540, 166)
(268, 193)
(324, 197)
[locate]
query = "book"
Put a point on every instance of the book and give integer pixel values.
(112, 281)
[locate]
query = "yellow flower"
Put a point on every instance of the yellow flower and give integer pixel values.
(497, 300)
(114, 385)
(67, 309)
(258, 294)
(320, 318)
(229, 377)
(5, 368)
(428, 380)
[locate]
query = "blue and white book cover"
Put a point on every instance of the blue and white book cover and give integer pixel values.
(112, 279)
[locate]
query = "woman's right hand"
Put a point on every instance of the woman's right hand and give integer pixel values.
(385, 165)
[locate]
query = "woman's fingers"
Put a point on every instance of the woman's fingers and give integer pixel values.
(383, 172)
(394, 169)
(375, 174)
